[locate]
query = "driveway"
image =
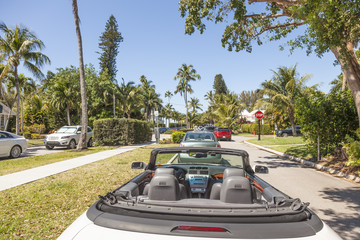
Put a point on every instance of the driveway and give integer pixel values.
(40, 150)
(334, 199)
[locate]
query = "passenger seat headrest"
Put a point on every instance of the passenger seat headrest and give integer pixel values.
(230, 172)
(164, 171)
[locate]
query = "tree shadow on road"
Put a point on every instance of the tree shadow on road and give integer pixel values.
(346, 224)
(276, 162)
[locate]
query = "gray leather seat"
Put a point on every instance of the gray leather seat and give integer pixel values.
(228, 172)
(236, 189)
(177, 185)
(164, 187)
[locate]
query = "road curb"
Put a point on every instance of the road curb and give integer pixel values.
(308, 163)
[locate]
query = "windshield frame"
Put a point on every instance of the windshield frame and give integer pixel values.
(207, 150)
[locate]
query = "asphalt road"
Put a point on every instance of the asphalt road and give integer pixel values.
(335, 200)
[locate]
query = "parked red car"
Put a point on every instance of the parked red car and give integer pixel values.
(223, 133)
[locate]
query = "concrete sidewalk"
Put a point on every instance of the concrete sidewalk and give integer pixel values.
(33, 174)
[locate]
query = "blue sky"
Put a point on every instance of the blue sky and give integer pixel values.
(155, 45)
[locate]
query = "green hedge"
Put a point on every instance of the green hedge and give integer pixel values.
(251, 127)
(177, 136)
(121, 131)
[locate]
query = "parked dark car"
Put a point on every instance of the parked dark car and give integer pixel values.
(163, 129)
(208, 128)
(223, 133)
(198, 194)
(288, 132)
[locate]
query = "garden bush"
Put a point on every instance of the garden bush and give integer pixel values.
(36, 136)
(120, 131)
(35, 128)
(27, 135)
(177, 136)
(251, 127)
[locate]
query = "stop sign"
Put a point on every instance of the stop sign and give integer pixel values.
(259, 114)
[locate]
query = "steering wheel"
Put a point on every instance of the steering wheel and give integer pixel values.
(180, 173)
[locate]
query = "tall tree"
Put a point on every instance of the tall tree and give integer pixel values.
(84, 115)
(329, 25)
(109, 45)
(18, 46)
(219, 84)
(283, 90)
(185, 74)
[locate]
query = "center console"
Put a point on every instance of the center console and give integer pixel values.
(198, 180)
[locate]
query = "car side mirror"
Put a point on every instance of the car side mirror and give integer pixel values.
(261, 169)
(78, 132)
(138, 165)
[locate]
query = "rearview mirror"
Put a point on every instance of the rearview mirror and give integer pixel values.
(138, 165)
(261, 169)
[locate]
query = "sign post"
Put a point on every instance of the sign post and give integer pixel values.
(259, 115)
(157, 132)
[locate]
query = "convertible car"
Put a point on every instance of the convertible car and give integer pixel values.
(202, 193)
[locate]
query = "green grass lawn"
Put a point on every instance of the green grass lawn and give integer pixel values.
(35, 142)
(45, 208)
(294, 146)
(265, 141)
(14, 165)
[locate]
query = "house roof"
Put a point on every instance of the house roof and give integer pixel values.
(4, 110)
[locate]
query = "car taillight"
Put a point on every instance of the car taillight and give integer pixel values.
(218, 145)
(181, 145)
(202, 229)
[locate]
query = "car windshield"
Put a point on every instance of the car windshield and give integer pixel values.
(67, 130)
(200, 137)
(192, 158)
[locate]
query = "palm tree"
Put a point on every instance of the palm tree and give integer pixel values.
(20, 45)
(84, 115)
(185, 74)
(63, 95)
(151, 101)
(168, 109)
(194, 103)
(168, 95)
(228, 108)
(126, 91)
(283, 89)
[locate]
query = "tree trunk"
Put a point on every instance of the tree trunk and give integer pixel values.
(84, 115)
(22, 116)
(351, 69)
(68, 115)
(114, 104)
(186, 106)
(292, 122)
(17, 100)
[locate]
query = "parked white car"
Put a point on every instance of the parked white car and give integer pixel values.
(11, 145)
(67, 136)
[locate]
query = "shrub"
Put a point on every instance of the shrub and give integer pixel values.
(166, 141)
(27, 135)
(35, 136)
(251, 127)
(353, 150)
(116, 131)
(35, 128)
(185, 129)
(177, 136)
